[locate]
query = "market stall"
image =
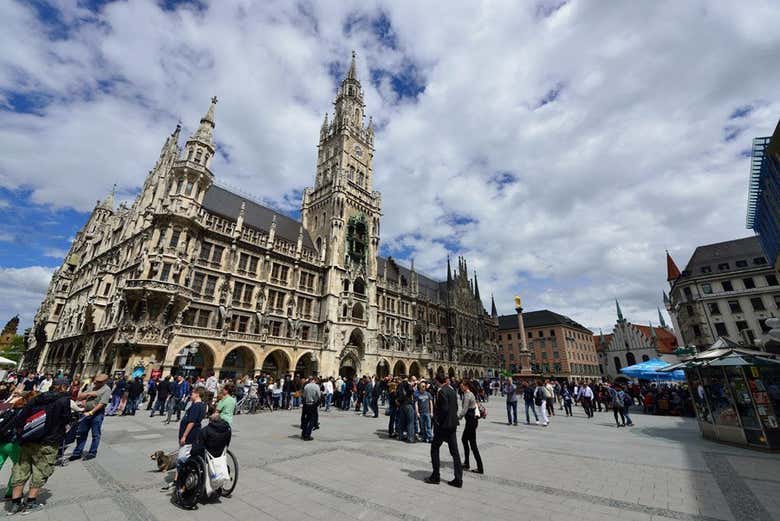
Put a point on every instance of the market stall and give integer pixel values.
(736, 393)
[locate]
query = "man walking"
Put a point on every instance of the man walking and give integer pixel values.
(92, 421)
(585, 397)
(311, 400)
(510, 390)
(528, 399)
(445, 423)
(38, 446)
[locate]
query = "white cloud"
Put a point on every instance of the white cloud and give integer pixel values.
(55, 253)
(22, 290)
(571, 203)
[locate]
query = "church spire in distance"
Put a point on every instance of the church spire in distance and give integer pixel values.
(352, 73)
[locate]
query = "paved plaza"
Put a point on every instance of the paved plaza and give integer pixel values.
(575, 469)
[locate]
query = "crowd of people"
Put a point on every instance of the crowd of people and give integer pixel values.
(417, 409)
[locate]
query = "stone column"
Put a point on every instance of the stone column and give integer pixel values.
(525, 355)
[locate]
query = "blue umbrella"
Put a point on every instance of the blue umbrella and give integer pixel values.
(648, 370)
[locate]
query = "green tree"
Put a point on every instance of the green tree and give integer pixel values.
(14, 350)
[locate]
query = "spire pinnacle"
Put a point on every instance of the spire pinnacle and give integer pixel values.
(108, 202)
(207, 123)
(661, 320)
(619, 312)
(476, 286)
(493, 311)
(449, 271)
(672, 271)
(352, 73)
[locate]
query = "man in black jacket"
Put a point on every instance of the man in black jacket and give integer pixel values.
(445, 426)
(37, 457)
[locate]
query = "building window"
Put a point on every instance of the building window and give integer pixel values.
(741, 264)
(211, 252)
(530, 334)
(166, 271)
(742, 325)
(618, 365)
(720, 329)
(689, 309)
(771, 280)
(687, 291)
(552, 332)
(541, 334)
(706, 269)
(203, 318)
(509, 336)
(714, 308)
(723, 266)
(757, 303)
(210, 287)
(727, 286)
(749, 283)
(247, 264)
(706, 289)
(764, 328)
(734, 306)
(175, 237)
(279, 273)
(777, 301)
(758, 261)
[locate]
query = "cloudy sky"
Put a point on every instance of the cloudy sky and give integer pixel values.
(560, 146)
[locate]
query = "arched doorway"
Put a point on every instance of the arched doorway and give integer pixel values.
(276, 364)
(240, 361)
(451, 372)
(382, 369)
(630, 358)
(414, 369)
(307, 365)
(440, 370)
(194, 359)
(399, 369)
(349, 366)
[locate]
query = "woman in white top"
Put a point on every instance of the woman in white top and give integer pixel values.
(469, 411)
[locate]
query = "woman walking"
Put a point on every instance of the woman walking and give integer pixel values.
(540, 400)
(469, 411)
(616, 395)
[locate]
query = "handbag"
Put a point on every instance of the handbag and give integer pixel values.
(218, 471)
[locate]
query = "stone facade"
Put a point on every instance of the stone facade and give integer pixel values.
(727, 289)
(191, 277)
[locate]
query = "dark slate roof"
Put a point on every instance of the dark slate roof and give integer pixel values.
(729, 252)
(227, 204)
(395, 271)
(540, 318)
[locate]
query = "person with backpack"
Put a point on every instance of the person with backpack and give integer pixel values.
(540, 401)
(617, 401)
(9, 445)
(97, 399)
(40, 429)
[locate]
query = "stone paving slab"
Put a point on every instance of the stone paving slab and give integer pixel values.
(660, 470)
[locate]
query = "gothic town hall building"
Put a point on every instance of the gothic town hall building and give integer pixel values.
(193, 278)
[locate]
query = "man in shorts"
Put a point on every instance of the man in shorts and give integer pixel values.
(37, 458)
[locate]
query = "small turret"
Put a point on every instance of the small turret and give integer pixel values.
(493, 310)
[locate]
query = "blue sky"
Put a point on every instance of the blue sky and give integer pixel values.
(562, 151)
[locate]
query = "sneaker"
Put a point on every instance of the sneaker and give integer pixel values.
(15, 508)
(29, 508)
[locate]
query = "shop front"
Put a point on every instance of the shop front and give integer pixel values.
(736, 394)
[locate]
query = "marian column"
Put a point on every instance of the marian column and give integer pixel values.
(525, 355)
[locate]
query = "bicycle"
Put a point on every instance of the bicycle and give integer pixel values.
(192, 480)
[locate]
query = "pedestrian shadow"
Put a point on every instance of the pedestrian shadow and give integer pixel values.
(382, 434)
(418, 475)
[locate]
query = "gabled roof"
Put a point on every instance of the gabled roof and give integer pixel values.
(728, 252)
(541, 318)
(222, 202)
(667, 342)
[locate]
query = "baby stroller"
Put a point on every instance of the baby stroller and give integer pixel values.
(195, 481)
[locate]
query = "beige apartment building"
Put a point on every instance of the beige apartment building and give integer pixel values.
(559, 346)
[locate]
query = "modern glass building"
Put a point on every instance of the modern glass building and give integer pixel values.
(763, 208)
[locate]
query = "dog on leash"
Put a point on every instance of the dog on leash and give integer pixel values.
(164, 461)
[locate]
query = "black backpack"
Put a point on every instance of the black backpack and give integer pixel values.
(8, 425)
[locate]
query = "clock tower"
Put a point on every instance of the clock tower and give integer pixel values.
(342, 213)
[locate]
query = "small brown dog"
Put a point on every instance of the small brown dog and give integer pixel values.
(164, 461)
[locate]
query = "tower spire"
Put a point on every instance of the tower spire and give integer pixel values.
(352, 73)
(205, 132)
(661, 320)
(619, 311)
(449, 272)
(493, 311)
(476, 286)
(672, 271)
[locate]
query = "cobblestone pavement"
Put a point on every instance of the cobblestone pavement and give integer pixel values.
(576, 469)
